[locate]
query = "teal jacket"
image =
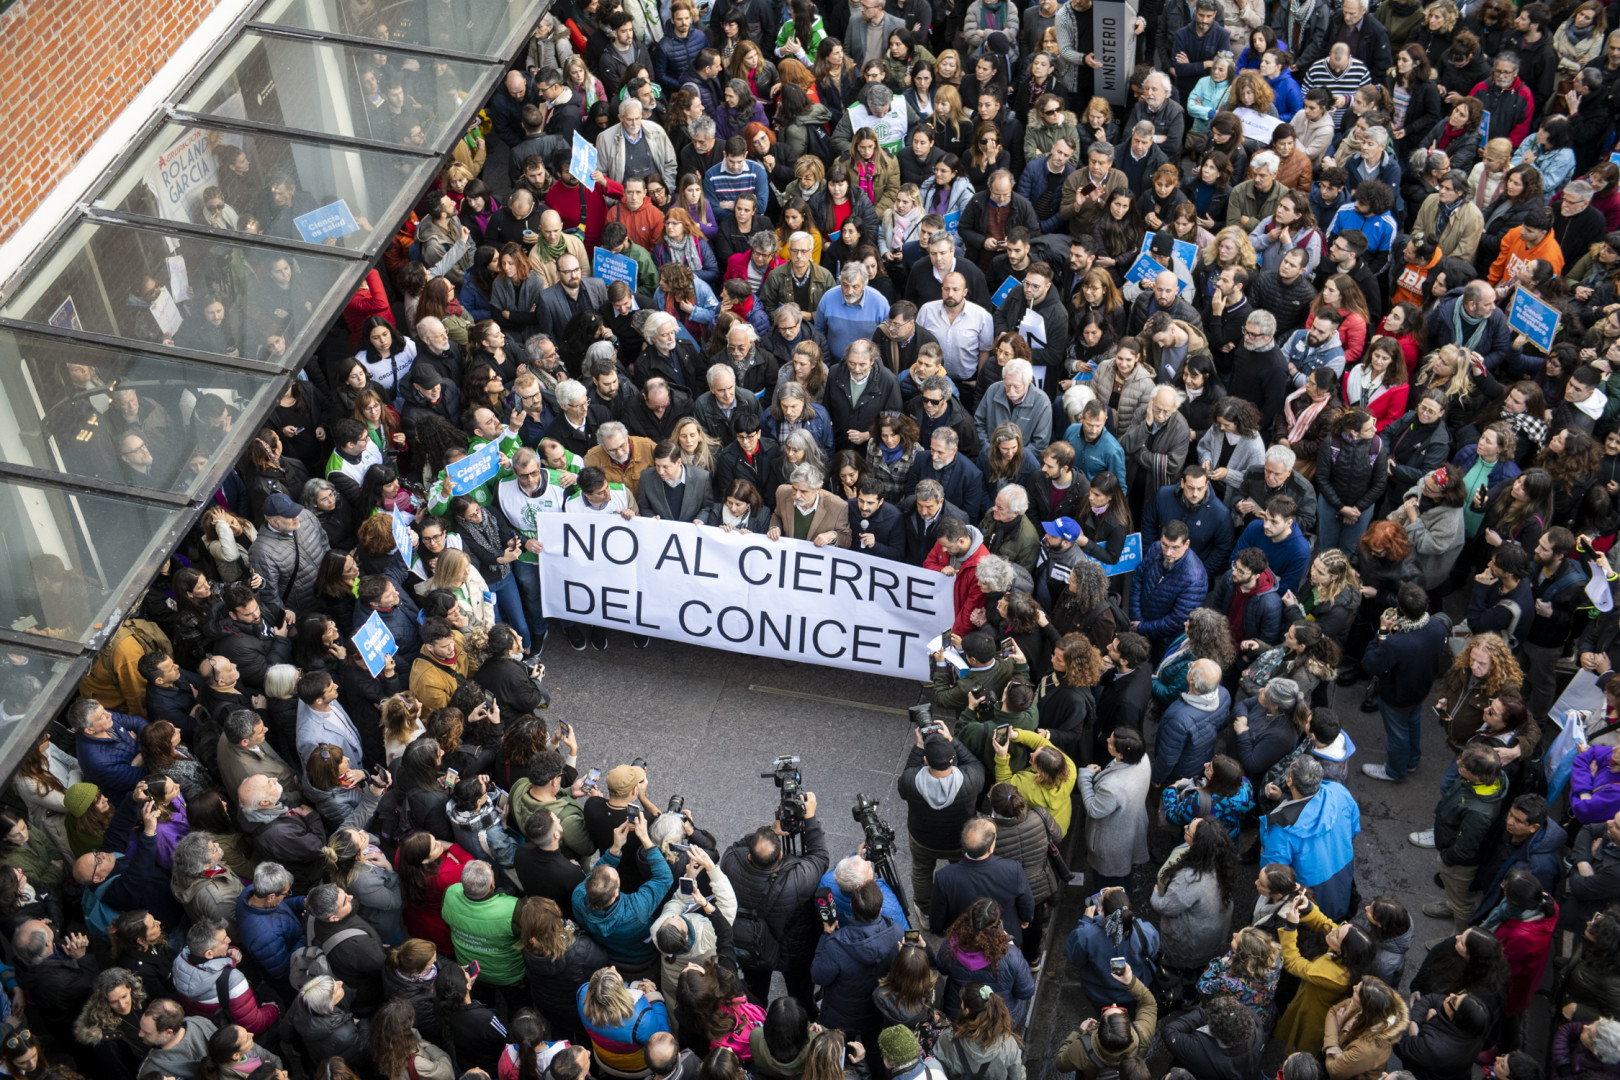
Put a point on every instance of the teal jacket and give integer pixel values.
(622, 928)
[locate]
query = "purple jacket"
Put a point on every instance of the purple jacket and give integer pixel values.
(1570, 1059)
(169, 834)
(1594, 798)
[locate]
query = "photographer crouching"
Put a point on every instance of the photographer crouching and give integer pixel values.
(777, 926)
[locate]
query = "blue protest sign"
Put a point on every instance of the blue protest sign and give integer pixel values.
(1144, 270)
(330, 222)
(1186, 252)
(1534, 318)
(952, 220)
(1130, 556)
(475, 470)
(1615, 157)
(1484, 128)
(376, 643)
(610, 267)
(402, 537)
(583, 163)
(1006, 289)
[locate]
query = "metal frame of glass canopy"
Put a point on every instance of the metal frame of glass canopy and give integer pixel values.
(125, 292)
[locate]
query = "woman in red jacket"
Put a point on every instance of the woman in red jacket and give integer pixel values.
(427, 867)
(1524, 921)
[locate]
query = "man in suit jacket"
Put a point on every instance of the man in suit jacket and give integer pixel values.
(929, 508)
(803, 494)
(878, 527)
(981, 873)
(960, 478)
(673, 491)
(874, 26)
(853, 406)
(572, 294)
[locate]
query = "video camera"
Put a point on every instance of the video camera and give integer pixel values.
(790, 813)
(879, 837)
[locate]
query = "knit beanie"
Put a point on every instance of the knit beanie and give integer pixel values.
(80, 798)
(898, 1044)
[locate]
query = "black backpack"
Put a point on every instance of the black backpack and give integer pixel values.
(755, 941)
(816, 143)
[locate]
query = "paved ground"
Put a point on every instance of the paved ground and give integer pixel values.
(709, 722)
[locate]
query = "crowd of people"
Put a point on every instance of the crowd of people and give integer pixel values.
(895, 279)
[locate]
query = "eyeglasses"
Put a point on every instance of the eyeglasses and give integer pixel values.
(18, 1039)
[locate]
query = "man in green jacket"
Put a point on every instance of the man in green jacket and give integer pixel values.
(480, 921)
(1007, 530)
(1462, 824)
(987, 672)
(542, 790)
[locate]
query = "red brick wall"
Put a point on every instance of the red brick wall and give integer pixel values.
(67, 67)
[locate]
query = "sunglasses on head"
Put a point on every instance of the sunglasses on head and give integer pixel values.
(19, 1039)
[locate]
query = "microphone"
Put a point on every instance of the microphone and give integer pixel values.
(866, 525)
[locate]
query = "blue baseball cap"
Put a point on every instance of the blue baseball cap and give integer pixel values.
(1065, 528)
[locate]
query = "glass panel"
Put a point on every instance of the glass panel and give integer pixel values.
(112, 415)
(150, 286)
(230, 180)
(27, 679)
(64, 557)
(457, 25)
(334, 89)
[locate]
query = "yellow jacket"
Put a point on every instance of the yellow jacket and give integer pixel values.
(1324, 982)
(432, 685)
(1058, 800)
(113, 679)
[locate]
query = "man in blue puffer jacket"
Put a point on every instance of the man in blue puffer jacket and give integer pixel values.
(272, 922)
(676, 54)
(1186, 739)
(1314, 831)
(1166, 587)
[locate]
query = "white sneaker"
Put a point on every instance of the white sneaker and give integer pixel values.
(1378, 772)
(1422, 839)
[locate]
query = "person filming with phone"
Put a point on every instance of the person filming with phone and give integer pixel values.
(623, 798)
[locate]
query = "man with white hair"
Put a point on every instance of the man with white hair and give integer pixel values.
(58, 980)
(668, 357)
(804, 510)
(1341, 75)
(635, 147)
(620, 455)
(851, 311)
(294, 836)
(849, 874)
(1008, 531)
(1261, 483)
(857, 392)
(577, 426)
(1014, 400)
(1256, 198)
(1187, 731)
(926, 285)
(722, 407)
(1169, 120)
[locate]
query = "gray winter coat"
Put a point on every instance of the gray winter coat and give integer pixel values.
(962, 1058)
(1116, 815)
(1437, 539)
(1194, 925)
(377, 899)
(289, 575)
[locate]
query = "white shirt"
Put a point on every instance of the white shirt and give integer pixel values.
(961, 341)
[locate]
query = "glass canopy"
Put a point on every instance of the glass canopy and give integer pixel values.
(348, 91)
(149, 342)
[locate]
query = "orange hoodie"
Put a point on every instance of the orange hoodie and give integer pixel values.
(1515, 254)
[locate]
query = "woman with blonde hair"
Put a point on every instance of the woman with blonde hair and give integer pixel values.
(1095, 124)
(401, 718)
(948, 68)
(453, 181)
(1484, 669)
(620, 1019)
(1466, 389)
(1249, 972)
(953, 129)
(1490, 174)
(228, 538)
(697, 446)
(748, 63)
(362, 871)
(455, 573)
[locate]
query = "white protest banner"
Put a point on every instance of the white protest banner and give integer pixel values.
(890, 129)
(1257, 126)
(180, 174)
(741, 592)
